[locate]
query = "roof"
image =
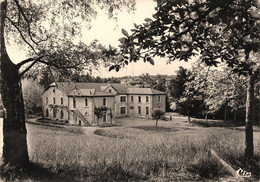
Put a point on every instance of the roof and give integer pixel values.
(120, 88)
(144, 91)
(97, 89)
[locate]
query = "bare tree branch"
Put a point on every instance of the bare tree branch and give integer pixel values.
(19, 65)
(20, 32)
(27, 21)
(30, 66)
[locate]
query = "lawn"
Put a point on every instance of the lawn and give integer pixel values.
(138, 151)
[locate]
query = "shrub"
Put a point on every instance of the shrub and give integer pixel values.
(157, 114)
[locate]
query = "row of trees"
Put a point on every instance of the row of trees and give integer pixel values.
(206, 91)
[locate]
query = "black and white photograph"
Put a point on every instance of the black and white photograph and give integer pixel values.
(130, 90)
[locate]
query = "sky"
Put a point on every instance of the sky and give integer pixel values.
(108, 31)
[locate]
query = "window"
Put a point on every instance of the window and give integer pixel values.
(123, 99)
(104, 102)
(46, 100)
(54, 102)
(139, 110)
(110, 90)
(86, 102)
(47, 113)
(132, 98)
(53, 90)
(61, 114)
(159, 98)
(139, 99)
(61, 100)
(147, 99)
(122, 110)
(147, 110)
(74, 103)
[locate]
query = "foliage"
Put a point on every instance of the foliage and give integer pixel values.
(177, 84)
(160, 83)
(32, 94)
(46, 77)
(217, 88)
(51, 34)
(158, 113)
(185, 100)
(157, 82)
(99, 112)
(181, 100)
(225, 88)
(226, 31)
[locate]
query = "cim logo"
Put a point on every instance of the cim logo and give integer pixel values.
(242, 173)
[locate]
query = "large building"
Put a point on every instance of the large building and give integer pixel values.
(76, 102)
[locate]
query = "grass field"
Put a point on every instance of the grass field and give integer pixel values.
(137, 151)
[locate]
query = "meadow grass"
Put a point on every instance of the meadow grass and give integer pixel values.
(134, 154)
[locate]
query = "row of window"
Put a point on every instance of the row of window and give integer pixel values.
(74, 101)
(122, 111)
(54, 100)
(123, 99)
(86, 102)
(139, 110)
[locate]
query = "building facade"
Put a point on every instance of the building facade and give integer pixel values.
(76, 102)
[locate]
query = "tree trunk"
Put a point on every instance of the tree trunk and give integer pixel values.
(249, 150)
(156, 123)
(188, 115)
(225, 114)
(15, 150)
(235, 116)
(206, 117)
